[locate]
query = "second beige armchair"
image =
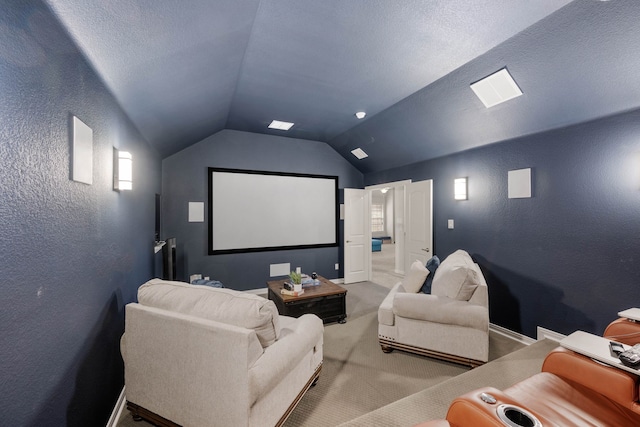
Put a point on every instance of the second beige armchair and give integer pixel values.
(451, 323)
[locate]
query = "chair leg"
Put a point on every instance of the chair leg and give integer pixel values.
(386, 348)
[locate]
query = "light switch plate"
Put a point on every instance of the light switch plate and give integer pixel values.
(450, 224)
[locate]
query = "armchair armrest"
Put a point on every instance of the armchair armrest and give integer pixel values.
(444, 310)
(277, 359)
(385, 311)
(470, 410)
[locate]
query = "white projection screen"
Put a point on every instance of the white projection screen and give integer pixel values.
(251, 211)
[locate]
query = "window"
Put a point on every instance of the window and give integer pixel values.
(377, 217)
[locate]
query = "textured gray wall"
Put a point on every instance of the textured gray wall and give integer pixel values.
(72, 255)
(184, 180)
(569, 257)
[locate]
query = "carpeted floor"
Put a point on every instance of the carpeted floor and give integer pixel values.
(359, 380)
(432, 403)
(383, 266)
(357, 377)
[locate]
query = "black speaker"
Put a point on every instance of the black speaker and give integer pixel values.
(169, 259)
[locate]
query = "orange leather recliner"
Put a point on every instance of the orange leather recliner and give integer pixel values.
(623, 330)
(571, 390)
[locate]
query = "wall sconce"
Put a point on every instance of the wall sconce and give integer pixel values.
(460, 189)
(122, 170)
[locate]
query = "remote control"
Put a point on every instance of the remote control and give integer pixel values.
(631, 357)
(616, 348)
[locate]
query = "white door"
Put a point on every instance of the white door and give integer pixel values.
(357, 245)
(419, 223)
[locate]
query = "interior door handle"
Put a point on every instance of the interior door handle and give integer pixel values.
(348, 241)
(426, 249)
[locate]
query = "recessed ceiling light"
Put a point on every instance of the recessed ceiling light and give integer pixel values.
(496, 88)
(277, 124)
(359, 153)
(361, 114)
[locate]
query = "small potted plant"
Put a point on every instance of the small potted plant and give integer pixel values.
(296, 281)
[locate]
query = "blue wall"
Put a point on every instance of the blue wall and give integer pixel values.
(185, 179)
(72, 255)
(569, 257)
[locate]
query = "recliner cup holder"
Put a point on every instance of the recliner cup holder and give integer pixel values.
(514, 416)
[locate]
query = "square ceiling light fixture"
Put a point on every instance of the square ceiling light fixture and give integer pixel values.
(359, 153)
(277, 124)
(496, 88)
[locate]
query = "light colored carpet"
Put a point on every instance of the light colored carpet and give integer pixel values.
(432, 403)
(383, 266)
(357, 378)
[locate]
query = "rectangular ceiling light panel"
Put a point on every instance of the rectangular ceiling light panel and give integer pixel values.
(277, 124)
(359, 153)
(496, 88)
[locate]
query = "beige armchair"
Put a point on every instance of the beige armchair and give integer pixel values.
(451, 323)
(202, 356)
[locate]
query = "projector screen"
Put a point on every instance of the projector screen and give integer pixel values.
(252, 211)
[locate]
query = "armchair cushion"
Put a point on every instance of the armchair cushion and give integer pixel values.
(414, 280)
(457, 277)
(443, 310)
(222, 305)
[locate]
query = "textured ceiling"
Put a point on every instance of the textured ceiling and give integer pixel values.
(183, 70)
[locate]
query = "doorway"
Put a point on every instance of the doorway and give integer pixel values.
(411, 236)
(383, 234)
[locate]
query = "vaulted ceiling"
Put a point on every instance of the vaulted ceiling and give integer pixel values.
(184, 70)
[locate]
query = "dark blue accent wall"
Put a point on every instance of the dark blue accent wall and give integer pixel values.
(72, 255)
(184, 180)
(569, 257)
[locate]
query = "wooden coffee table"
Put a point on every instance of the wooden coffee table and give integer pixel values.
(327, 301)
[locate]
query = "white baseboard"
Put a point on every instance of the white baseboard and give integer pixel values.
(511, 334)
(117, 410)
(543, 333)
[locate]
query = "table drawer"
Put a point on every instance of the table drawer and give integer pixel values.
(327, 308)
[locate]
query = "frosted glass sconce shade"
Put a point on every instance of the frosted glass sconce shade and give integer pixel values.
(122, 170)
(460, 188)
